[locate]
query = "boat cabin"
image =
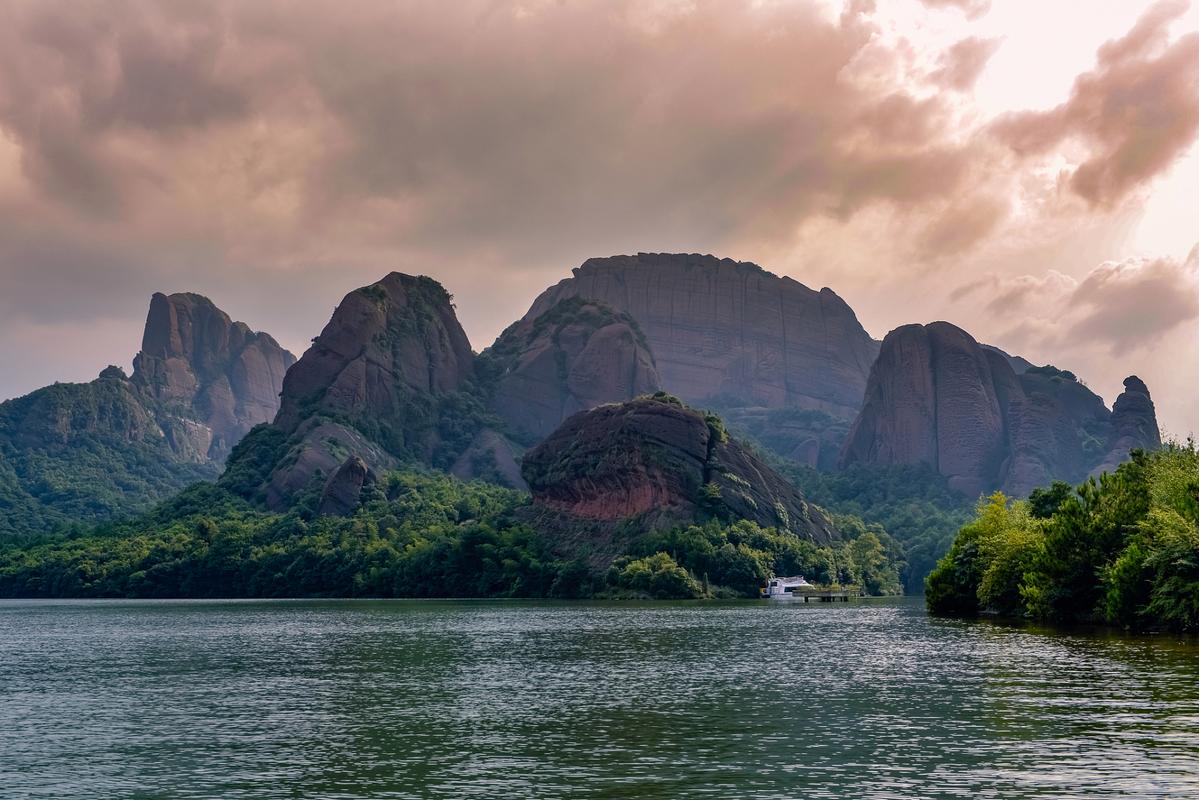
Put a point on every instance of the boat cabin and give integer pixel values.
(782, 588)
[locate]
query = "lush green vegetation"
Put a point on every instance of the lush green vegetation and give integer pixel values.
(736, 560)
(1123, 549)
(420, 535)
(83, 452)
(913, 504)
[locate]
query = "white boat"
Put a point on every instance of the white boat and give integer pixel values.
(785, 588)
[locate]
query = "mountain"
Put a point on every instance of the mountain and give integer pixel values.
(384, 382)
(731, 332)
(660, 463)
(1133, 424)
(938, 397)
(81, 452)
(576, 355)
(203, 367)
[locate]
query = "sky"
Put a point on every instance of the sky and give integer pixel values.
(1026, 169)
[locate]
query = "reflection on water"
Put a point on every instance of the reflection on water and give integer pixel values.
(490, 699)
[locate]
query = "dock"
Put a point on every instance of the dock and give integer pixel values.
(826, 595)
(796, 588)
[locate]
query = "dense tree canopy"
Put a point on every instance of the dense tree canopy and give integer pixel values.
(421, 534)
(1122, 549)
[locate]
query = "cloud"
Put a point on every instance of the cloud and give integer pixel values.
(1118, 307)
(1132, 305)
(223, 144)
(960, 66)
(275, 155)
(973, 9)
(1133, 115)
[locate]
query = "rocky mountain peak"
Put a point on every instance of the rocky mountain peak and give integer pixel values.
(207, 368)
(577, 355)
(395, 335)
(938, 397)
(1133, 424)
(661, 462)
(371, 386)
(730, 330)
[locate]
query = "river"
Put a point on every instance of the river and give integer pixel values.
(478, 699)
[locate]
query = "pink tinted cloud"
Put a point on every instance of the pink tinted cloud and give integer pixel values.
(1134, 114)
(960, 66)
(973, 9)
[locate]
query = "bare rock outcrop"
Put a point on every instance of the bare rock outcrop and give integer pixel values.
(937, 397)
(655, 460)
(217, 378)
(370, 387)
(384, 342)
(731, 330)
(575, 356)
(343, 491)
(1133, 424)
(932, 398)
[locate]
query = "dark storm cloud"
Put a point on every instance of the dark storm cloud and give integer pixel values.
(162, 143)
(1136, 112)
(277, 154)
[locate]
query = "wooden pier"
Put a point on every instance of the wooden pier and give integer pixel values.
(818, 594)
(827, 595)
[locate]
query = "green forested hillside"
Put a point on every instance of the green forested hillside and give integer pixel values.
(83, 452)
(420, 535)
(911, 503)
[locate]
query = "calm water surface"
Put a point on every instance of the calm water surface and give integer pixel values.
(493, 699)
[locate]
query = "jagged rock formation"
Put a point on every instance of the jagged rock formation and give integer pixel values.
(371, 386)
(575, 356)
(655, 460)
(91, 451)
(1133, 424)
(213, 378)
(728, 330)
(936, 396)
(343, 490)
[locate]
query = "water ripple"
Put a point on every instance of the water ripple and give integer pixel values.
(331, 699)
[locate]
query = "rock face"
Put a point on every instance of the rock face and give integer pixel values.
(90, 451)
(728, 330)
(1134, 424)
(205, 368)
(384, 343)
(575, 356)
(936, 396)
(932, 398)
(492, 457)
(370, 387)
(1057, 429)
(662, 463)
(343, 490)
